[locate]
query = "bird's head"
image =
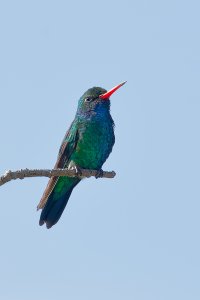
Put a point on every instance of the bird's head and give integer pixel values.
(96, 99)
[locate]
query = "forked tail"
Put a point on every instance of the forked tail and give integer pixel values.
(56, 197)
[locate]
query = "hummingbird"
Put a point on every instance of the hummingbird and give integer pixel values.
(87, 144)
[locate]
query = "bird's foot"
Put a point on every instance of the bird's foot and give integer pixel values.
(99, 174)
(77, 169)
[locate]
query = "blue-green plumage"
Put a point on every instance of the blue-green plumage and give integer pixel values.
(87, 144)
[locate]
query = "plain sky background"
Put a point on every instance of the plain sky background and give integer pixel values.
(136, 236)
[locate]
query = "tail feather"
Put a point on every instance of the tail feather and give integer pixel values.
(55, 205)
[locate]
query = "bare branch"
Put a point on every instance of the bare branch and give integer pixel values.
(23, 173)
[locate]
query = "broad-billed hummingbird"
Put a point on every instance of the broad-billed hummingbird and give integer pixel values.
(87, 144)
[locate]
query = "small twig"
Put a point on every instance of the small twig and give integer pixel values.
(23, 173)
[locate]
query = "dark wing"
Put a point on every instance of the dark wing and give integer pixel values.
(66, 149)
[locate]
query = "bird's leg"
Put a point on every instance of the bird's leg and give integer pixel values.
(78, 171)
(99, 174)
(73, 166)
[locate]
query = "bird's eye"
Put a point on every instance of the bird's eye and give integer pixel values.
(88, 99)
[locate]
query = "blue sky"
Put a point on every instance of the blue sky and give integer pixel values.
(133, 237)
